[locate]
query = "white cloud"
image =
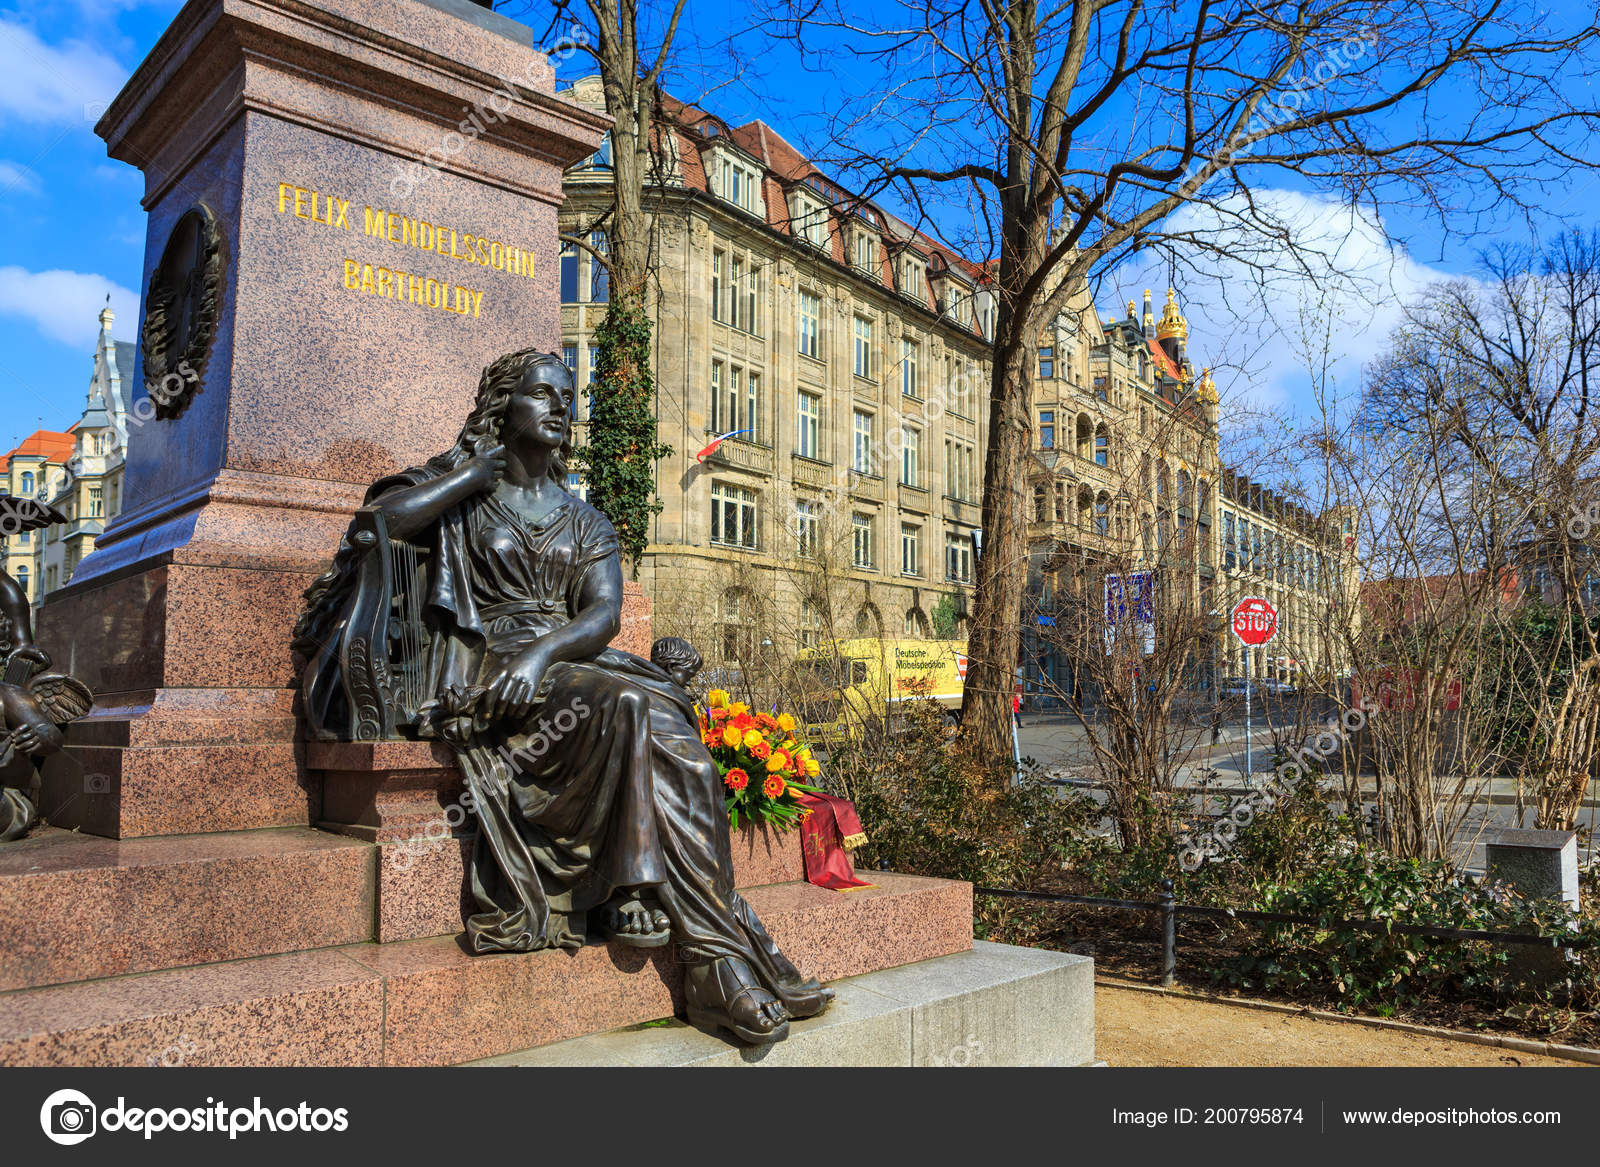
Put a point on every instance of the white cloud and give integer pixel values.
(1254, 325)
(65, 84)
(65, 305)
(16, 178)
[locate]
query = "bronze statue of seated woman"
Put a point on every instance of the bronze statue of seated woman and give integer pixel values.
(473, 601)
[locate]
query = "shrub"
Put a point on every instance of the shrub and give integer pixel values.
(1386, 971)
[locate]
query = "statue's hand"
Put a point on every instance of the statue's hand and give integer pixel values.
(512, 686)
(484, 470)
(34, 653)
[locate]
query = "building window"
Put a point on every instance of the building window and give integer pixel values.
(911, 278)
(810, 325)
(569, 358)
(735, 285)
(1100, 393)
(866, 253)
(49, 579)
(719, 263)
(752, 405)
(1102, 515)
(752, 299)
(735, 400)
(910, 550)
(863, 349)
(1229, 557)
(1047, 361)
(738, 626)
(862, 457)
(958, 558)
(24, 537)
(916, 624)
(599, 273)
(22, 580)
(97, 502)
(960, 468)
(1047, 429)
(733, 516)
(911, 457)
(576, 486)
(808, 425)
(861, 540)
(27, 482)
(740, 185)
(569, 273)
(811, 222)
(910, 351)
(811, 623)
(1102, 447)
(807, 527)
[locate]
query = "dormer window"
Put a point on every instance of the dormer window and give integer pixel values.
(739, 183)
(809, 220)
(911, 278)
(866, 252)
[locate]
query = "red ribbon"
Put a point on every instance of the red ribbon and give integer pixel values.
(827, 836)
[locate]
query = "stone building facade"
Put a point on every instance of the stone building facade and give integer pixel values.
(843, 352)
(79, 472)
(1127, 477)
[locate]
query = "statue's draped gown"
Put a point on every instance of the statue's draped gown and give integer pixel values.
(605, 785)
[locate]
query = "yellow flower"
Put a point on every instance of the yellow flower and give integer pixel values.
(812, 768)
(777, 762)
(738, 707)
(803, 753)
(751, 738)
(790, 745)
(717, 698)
(730, 736)
(785, 723)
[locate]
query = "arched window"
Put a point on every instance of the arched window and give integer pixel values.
(1084, 435)
(869, 622)
(916, 624)
(1102, 513)
(1184, 483)
(22, 580)
(1102, 446)
(27, 482)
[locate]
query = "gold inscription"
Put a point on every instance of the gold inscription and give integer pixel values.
(392, 283)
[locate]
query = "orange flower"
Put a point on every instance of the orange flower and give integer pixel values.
(761, 749)
(736, 779)
(718, 714)
(773, 787)
(766, 721)
(743, 721)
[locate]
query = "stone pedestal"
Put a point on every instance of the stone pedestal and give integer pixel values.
(360, 298)
(1538, 865)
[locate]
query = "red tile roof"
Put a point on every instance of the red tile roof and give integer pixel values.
(51, 445)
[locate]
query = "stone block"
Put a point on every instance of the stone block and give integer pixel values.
(996, 1005)
(1537, 864)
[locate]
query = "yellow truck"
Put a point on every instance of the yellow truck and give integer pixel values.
(851, 687)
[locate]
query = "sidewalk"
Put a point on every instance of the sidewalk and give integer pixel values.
(1136, 1028)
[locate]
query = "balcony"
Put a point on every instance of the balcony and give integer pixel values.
(866, 485)
(742, 455)
(915, 498)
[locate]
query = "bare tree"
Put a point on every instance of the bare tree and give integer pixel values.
(1070, 134)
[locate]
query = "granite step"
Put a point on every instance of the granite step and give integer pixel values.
(427, 1002)
(77, 907)
(994, 1005)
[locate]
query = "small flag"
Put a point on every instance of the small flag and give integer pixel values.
(712, 448)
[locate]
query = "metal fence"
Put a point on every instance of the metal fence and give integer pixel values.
(1169, 909)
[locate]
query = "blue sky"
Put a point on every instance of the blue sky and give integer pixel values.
(73, 229)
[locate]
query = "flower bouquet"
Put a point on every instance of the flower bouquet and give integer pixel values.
(762, 764)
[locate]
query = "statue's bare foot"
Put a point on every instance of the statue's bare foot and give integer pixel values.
(630, 920)
(724, 994)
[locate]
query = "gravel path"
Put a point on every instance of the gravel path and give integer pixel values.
(1134, 1028)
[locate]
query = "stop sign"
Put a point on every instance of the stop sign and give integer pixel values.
(1255, 621)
